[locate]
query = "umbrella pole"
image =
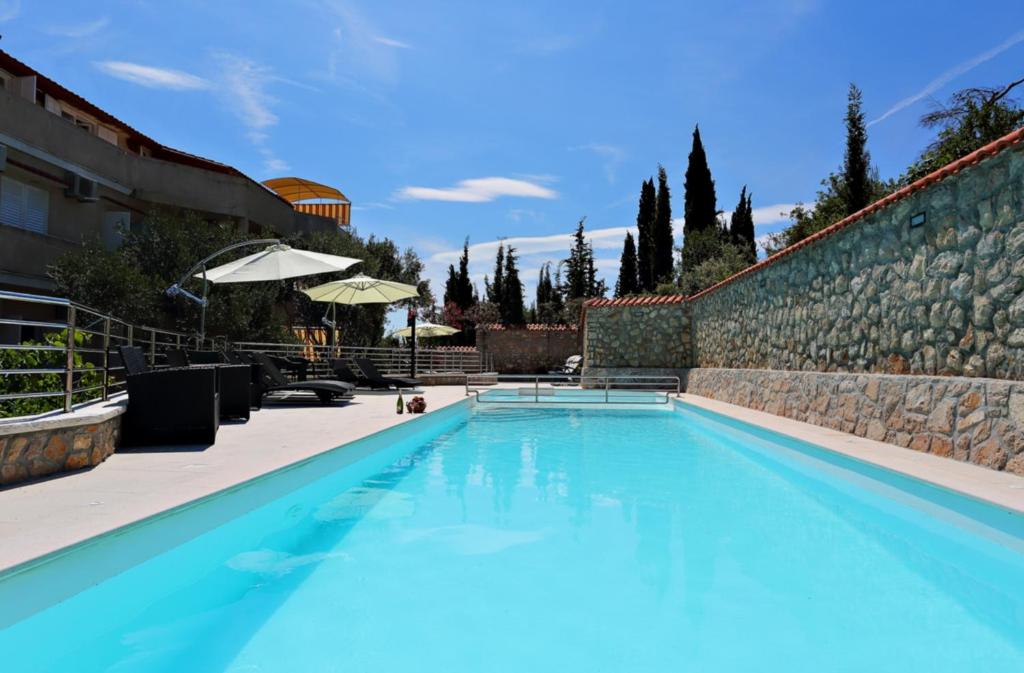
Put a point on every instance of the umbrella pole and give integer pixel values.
(334, 329)
(202, 313)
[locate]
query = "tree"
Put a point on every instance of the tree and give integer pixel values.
(741, 226)
(580, 271)
(700, 208)
(548, 306)
(645, 216)
(495, 289)
(512, 310)
(971, 119)
(720, 258)
(857, 191)
(459, 289)
(662, 240)
(628, 282)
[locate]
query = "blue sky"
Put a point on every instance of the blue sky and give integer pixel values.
(514, 119)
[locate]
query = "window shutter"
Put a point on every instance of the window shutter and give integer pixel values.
(12, 200)
(106, 134)
(24, 206)
(37, 209)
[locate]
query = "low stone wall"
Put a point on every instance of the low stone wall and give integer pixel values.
(528, 349)
(974, 420)
(40, 447)
(645, 333)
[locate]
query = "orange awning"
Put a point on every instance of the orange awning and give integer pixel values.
(298, 189)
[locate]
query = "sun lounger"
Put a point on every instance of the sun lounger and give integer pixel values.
(375, 380)
(272, 381)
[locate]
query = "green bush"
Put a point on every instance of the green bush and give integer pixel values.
(38, 383)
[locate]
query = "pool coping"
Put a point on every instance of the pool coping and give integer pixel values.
(1001, 489)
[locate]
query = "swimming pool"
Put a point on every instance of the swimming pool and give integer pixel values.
(548, 539)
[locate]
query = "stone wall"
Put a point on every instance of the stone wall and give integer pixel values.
(979, 421)
(35, 449)
(945, 297)
(530, 349)
(646, 334)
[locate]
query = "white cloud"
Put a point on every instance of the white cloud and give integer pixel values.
(79, 30)
(951, 74)
(152, 77)
(391, 42)
(244, 86)
(612, 155)
(9, 9)
(479, 190)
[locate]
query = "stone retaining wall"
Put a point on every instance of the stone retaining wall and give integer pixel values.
(33, 449)
(880, 295)
(638, 336)
(976, 420)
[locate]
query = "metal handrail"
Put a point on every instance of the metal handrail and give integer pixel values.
(638, 383)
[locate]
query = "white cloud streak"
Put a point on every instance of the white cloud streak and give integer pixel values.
(951, 74)
(391, 42)
(153, 77)
(479, 190)
(245, 90)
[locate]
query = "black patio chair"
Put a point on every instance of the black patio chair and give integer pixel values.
(273, 381)
(233, 381)
(345, 373)
(168, 406)
(376, 380)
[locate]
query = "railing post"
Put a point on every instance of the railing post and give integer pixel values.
(106, 358)
(152, 347)
(606, 390)
(536, 389)
(69, 361)
(131, 335)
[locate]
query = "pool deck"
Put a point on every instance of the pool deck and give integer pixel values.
(42, 517)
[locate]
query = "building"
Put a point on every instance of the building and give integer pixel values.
(71, 172)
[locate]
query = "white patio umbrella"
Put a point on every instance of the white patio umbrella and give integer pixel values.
(277, 262)
(427, 329)
(359, 289)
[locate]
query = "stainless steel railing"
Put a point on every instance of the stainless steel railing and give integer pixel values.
(66, 362)
(590, 389)
(387, 360)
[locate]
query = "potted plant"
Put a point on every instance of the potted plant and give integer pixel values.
(416, 405)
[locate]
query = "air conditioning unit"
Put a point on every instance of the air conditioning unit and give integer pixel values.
(3, 158)
(80, 188)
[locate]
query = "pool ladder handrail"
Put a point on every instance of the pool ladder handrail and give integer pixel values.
(605, 382)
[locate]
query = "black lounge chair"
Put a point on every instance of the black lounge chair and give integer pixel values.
(375, 380)
(168, 406)
(233, 381)
(345, 373)
(272, 381)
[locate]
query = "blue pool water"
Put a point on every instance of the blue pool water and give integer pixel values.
(536, 540)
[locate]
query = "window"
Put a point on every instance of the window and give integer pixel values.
(23, 206)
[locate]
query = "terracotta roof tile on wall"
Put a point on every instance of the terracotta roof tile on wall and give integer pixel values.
(532, 327)
(636, 301)
(993, 148)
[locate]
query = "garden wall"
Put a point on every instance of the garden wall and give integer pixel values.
(878, 294)
(529, 349)
(642, 335)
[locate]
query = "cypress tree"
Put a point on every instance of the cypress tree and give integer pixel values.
(628, 282)
(662, 240)
(645, 217)
(856, 162)
(495, 290)
(512, 310)
(451, 287)
(465, 292)
(741, 226)
(576, 265)
(700, 208)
